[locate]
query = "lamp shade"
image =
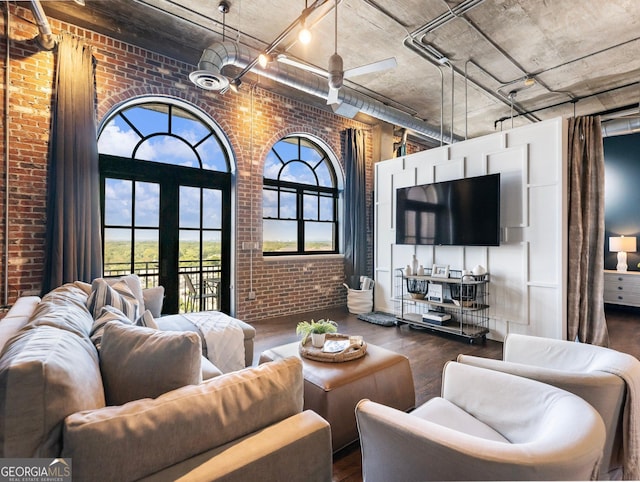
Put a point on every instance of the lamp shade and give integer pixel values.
(622, 243)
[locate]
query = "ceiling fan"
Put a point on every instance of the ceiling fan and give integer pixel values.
(335, 72)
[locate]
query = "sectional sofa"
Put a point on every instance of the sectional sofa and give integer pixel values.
(138, 408)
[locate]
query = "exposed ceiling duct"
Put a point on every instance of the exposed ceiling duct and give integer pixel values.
(622, 126)
(222, 54)
(45, 39)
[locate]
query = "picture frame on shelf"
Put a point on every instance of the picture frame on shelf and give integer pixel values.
(435, 293)
(440, 271)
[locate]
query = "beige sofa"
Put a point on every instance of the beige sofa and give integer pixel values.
(244, 425)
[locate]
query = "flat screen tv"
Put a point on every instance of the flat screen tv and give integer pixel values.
(463, 212)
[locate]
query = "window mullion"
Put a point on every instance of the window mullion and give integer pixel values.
(300, 218)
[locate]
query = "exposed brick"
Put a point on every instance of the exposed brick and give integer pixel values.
(124, 71)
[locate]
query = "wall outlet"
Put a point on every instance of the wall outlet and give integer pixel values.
(252, 295)
(249, 245)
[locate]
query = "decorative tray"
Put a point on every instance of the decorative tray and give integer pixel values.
(353, 350)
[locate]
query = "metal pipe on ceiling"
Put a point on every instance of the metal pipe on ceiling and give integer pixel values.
(7, 140)
(622, 126)
(223, 54)
(45, 39)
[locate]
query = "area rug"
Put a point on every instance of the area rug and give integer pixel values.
(378, 318)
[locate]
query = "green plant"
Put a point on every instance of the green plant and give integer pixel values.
(306, 328)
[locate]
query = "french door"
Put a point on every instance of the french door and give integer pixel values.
(171, 225)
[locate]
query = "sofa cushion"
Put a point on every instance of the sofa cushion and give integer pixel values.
(64, 308)
(146, 319)
(45, 374)
(133, 283)
(16, 318)
(109, 313)
(144, 436)
(119, 296)
(443, 412)
(209, 370)
(153, 299)
(141, 362)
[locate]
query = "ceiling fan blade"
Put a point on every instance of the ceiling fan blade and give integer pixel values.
(282, 58)
(378, 66)
(333, 96)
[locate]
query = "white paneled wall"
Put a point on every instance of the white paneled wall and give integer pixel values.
(528, 269)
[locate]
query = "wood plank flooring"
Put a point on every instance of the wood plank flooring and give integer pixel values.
(427, 353)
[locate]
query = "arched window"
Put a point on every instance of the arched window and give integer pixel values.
(166, 201)
(300, 200)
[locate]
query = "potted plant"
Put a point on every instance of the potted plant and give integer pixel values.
(317, 330)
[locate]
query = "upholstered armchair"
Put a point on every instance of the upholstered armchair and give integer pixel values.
(486, 425)
(607, 379)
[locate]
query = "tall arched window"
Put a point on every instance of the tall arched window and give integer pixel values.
(300, 201)
(166, 201)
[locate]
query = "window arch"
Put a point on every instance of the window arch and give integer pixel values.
(163, 130)
(301, 198)
(166, 181)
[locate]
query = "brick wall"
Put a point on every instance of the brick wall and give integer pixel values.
(253, 120)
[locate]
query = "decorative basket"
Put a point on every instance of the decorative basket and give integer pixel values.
(417, 288)
(352, 352)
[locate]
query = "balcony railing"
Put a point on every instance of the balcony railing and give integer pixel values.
(198, 284)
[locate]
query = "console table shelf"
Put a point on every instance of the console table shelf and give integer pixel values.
(461, 303)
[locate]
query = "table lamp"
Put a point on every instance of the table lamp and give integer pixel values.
(622, 245)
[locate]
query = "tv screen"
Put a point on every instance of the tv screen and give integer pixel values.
(464, 212)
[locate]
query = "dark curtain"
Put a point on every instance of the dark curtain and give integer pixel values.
(73, 244)
(355, 197)
(585, 312)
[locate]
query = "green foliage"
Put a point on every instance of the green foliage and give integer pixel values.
(306, 328)
(147, 251)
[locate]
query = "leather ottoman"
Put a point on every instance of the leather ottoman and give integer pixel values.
(332, 390)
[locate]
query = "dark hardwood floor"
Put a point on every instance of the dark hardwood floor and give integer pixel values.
(427, 353)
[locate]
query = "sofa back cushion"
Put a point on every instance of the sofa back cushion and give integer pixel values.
(64, 308)
(138, 362)
(142, 437)
(16, 318)
(46, 373)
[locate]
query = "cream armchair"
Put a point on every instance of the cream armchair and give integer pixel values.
(486, 425)
(605, 378)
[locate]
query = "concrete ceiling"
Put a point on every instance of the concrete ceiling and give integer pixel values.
(578, 54)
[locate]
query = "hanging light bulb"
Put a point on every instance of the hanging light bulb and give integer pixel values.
(263, 60)
(304, 35)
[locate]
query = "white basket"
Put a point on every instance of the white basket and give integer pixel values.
(359, 301)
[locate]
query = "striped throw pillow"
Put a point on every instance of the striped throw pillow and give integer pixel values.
(107, 314)
(119, 295)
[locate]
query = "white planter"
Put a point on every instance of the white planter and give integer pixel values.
(317, 339)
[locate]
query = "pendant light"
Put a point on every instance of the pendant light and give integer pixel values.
(305, 34)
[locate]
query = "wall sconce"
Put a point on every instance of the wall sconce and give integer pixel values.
(622, 245)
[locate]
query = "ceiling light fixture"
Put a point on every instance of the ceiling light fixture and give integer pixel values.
(235, 84)
(305, 34)
(223, 8)
(264, 59)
